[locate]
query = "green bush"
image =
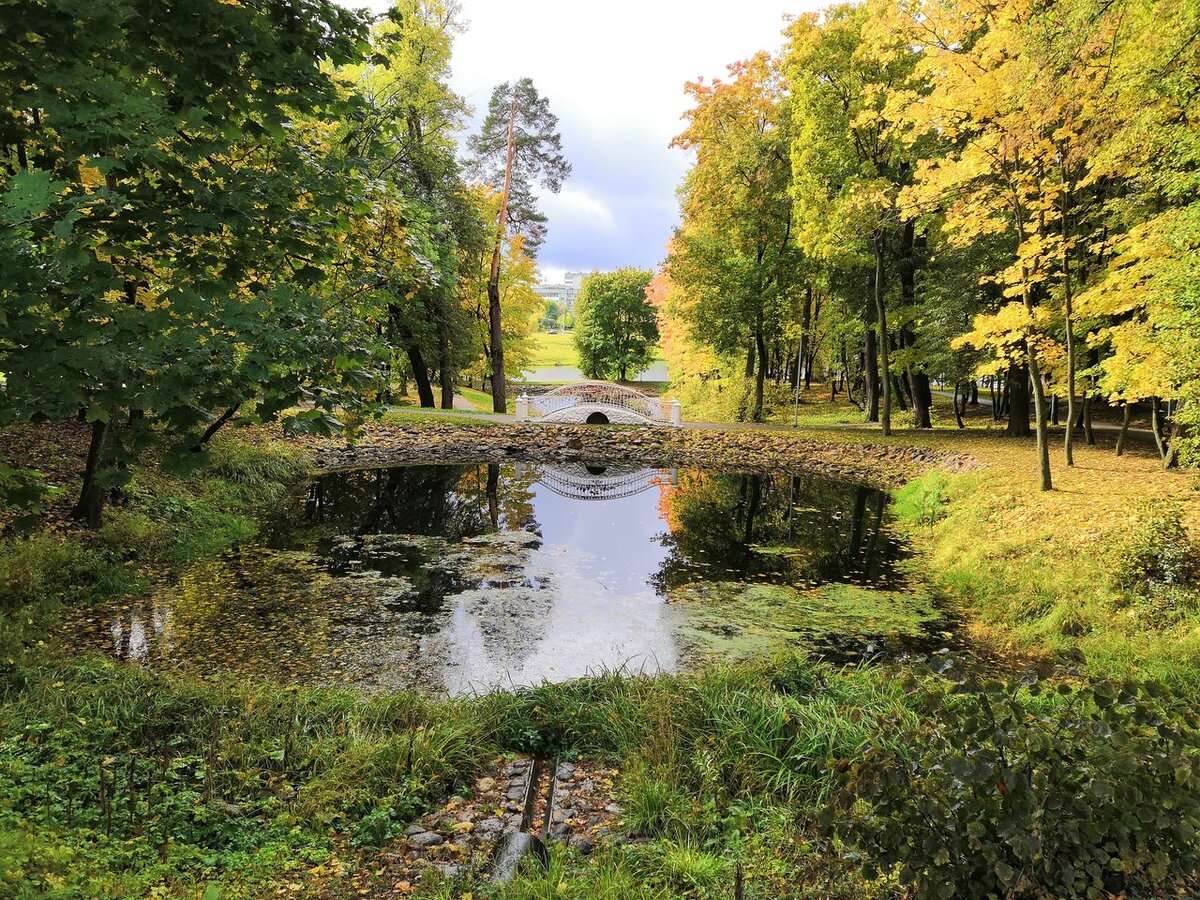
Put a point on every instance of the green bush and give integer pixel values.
(1158, 552)
(1015, 790)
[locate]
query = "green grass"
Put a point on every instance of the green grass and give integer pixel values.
(554, 350)
(481, 400)
(464, 417)
(249, 786)
(1033, 588)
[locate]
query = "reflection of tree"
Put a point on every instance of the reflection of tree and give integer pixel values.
(442, 500)
(726, 526)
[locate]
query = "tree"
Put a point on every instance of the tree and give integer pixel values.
(616, 326)
(169, 212)
(996, 88)
(550, 315)
(404, 134)
(734, 253)
(849, 167)
(519, 302)
(517, 147)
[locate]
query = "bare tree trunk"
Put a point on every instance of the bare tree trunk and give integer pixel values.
(1017, 391)
(805, 326)
(421, 376)
(1039, 400)
(761, 344)
(445, 368)
(217, 424)
(1070, 327)
(957, 412)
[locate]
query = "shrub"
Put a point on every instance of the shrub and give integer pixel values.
(1158, 552)
(1016, 790)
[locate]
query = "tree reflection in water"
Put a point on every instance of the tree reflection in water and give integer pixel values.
(775, 528)
(468, 577)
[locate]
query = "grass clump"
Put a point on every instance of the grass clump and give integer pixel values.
(263, 465)
(115, 782)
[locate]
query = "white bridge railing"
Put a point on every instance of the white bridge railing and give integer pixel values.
(592, 397)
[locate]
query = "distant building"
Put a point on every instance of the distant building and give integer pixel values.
(565, 292)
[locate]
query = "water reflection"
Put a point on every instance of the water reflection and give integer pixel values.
(462, 578)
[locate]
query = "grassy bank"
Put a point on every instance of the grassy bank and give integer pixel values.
(786, 776)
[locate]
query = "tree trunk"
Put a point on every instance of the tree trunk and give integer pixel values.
(1039, 398)
(805, 326)
(421, 375)
(760, 342)
(885, 374)
(918, 381)
(1171, 457)
(871, 376)
(1017, 389)
(1156, 427)
(217, 424)
(445, 367)
(1126, 414)
(90, 507)
(1068, 441)
(495, 331)
(957, 413)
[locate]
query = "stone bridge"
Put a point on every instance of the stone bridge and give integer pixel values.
(597, 403)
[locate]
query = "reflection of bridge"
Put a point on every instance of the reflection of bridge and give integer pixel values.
(585, 481)
(597, 403)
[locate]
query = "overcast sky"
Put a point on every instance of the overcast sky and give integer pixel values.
(614, 73)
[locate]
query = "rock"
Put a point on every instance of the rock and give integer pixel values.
(561, 815)
(565, 771)
(582, 843)
(485, 784)
(414, 829)
(489, 826)
(425, 840)
(613, 808)
(515, 793)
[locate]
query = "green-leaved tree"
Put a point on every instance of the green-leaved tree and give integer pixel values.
(615, 326)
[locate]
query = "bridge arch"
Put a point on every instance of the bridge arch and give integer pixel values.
(589, 481)
(597, 403)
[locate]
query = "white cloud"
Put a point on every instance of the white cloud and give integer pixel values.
(615, 75)
(578, 210)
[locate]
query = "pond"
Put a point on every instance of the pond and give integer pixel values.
(465, 578)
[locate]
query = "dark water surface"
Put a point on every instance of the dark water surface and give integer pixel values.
(459, 578)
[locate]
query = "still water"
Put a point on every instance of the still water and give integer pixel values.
(462, 578)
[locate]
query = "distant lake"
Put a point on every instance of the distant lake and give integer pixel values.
(657, 371)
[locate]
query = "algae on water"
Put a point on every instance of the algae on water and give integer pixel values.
(730, 620)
